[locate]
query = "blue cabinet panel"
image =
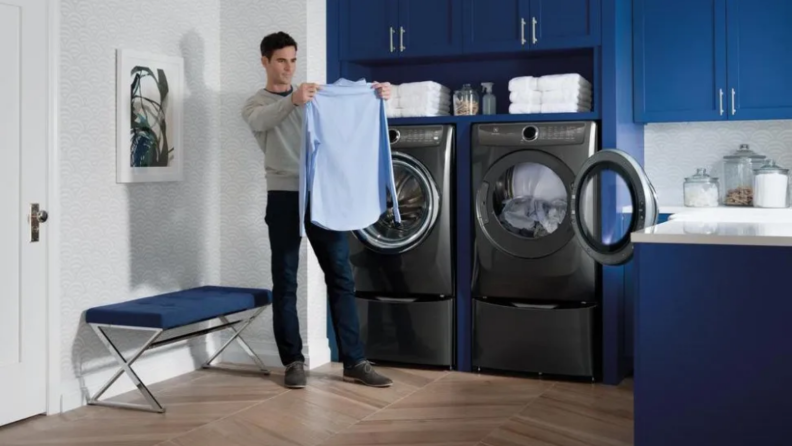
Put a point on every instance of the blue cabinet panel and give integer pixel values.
(430, 27)
(496, 25)
(564, 24)
(680, 60)
(369, 29)
(760, 59)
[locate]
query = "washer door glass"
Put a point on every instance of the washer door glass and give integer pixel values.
(419, 205)
(626, 197)
(522, 204)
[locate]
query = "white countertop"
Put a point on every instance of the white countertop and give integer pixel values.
(722, 226)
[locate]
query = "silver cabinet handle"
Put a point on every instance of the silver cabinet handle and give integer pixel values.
(721, 101)
(734, 107)
(401, 38)
(522, 30)
(533, 29)
(391, 40)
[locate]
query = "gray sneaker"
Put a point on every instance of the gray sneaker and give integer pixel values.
(365, 374)
(295, 375)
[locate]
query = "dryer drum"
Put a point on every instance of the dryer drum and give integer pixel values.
(419, 206)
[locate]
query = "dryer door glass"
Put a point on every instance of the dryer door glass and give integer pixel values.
(626, 203)
(419, 206)
(522, 204)
(530, 200)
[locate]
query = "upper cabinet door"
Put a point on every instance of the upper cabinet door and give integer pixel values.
(369, 29)
(760, 59)
(496, 25)
(430, 27)
(557, 24)
(680, 60)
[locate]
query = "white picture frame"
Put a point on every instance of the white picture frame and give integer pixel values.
(149, 154)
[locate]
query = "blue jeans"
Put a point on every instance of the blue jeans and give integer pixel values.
(332, 251)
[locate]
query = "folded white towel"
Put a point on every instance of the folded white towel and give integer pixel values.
(526, 96)
(571, 95)
(423, 111)
(564, 108)
(421, 88)
(563, 81)
(434, 100)
(524, 83)
(519, 109)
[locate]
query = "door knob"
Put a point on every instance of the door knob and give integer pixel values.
(35, 218)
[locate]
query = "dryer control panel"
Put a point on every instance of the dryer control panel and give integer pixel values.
(533, 134)
(423, 136)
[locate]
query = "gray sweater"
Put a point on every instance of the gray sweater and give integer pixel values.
(277, 125)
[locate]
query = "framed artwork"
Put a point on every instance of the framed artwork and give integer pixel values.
(150, 101)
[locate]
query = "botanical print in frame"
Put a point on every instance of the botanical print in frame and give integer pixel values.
(150, 95)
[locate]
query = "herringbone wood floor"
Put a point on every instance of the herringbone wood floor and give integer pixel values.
(214, 408)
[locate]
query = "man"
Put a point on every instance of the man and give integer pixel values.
(275, 115)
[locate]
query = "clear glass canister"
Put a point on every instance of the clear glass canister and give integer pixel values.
(466, 101)
(701, 190)
(738, 173)
(771, 186)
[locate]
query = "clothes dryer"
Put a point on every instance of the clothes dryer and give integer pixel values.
(541, 191)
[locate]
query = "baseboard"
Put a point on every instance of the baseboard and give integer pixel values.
(316, 354)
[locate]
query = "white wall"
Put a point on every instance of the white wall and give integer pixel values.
(120, 242)
(674, 151)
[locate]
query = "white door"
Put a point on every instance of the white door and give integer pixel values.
(23, 182)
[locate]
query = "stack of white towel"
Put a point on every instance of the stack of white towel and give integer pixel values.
(556, 93)
(416, 99)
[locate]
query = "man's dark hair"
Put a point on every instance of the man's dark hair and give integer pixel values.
(276, 41)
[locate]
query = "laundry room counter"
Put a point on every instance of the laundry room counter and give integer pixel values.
(712, 329)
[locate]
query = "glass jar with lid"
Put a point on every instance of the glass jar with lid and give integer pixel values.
(466, 101)
(738, 173)
(701, 190)
(771, 186)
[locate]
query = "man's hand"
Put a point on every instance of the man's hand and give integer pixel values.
(383, 89)
(304, 93)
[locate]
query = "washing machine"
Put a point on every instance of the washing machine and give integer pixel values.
(404, 273)
(540, 193)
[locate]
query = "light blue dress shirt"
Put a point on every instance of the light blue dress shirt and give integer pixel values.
(345, 158)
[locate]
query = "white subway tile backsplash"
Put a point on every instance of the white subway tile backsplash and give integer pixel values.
(674, 151)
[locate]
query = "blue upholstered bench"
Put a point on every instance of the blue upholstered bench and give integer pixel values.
(163, 313)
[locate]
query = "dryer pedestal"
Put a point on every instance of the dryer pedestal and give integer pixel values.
(407, 330)
(510, 336)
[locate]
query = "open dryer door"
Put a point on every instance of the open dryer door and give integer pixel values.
(626, 198)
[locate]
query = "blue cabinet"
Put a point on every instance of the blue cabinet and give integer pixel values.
(496, 25)
(680, 60)
(516, 25)
(712, 60)
(430, 27)
(368, 29)
(372, 30)
(557, 24)
(760, 59)
(387, 29)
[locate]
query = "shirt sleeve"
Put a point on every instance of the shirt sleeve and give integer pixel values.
(386, 161)
(262, 117)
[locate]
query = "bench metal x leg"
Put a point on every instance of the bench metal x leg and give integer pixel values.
(126, 366)
(245, 323)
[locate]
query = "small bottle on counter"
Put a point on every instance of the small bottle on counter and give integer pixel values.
(771, 186)
(701, 190)
(488, 101)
